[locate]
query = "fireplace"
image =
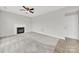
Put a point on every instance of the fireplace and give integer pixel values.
(20, 30)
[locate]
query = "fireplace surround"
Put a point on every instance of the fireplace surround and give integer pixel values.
(20, 30)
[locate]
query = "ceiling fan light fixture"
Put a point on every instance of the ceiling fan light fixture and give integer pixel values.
(28, 9)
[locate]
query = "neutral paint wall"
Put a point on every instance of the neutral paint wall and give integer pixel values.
(78, 25)
(57, 24)
(9, 21)
(71, 24)
(53, 24)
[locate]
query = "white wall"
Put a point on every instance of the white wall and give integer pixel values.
(8, 22)
(71, 24)
(57, 24)
(78, 25)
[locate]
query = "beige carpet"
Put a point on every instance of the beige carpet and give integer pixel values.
(30, 42)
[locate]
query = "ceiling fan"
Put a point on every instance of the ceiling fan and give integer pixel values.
(27, 9)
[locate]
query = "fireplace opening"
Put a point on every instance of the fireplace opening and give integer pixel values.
(20, 30)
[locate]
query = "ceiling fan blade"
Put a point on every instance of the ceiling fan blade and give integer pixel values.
(25, 8)
(31, 11)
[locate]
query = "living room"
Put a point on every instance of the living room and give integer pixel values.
(53, 21)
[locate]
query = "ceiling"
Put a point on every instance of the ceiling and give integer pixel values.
(38, 10)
